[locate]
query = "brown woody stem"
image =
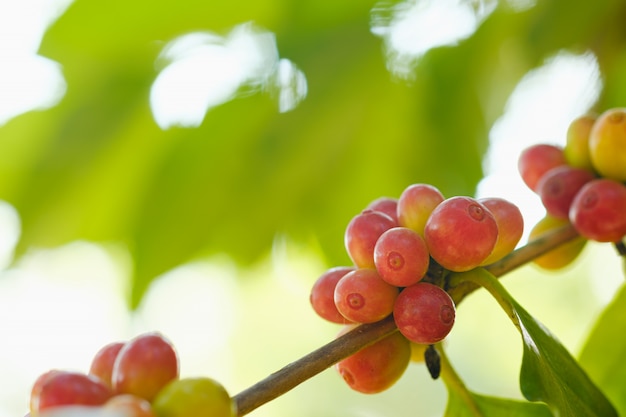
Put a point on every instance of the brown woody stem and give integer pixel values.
(364, 335)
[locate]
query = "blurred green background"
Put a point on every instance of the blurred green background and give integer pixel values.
(253, 197)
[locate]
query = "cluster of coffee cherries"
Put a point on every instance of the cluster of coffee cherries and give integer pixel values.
(581, 183)
(134, 378)
(398, 246)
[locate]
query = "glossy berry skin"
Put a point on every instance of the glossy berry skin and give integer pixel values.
(510, 224)
(460, 233)
(361, 235)
(536, 160)
(558, 187)
(415, 204)
(144, 365)
(401, 256)
(424, 313)
(128, 405)
(362, 296)
(64, 388)
(194, 397)
(387, 205)
(607, 144)
(561, 256)
(377, 367)
(576, 148)
(599, 210)
(36, 388)
(322, 295)
(102, 363)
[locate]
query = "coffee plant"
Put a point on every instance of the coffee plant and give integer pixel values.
(415, 259)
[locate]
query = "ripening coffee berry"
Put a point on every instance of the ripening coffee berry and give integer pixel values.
(128, 405)
(599, 210)
(607, 144)
(194, 397)
(415, 204)
(460, 233)
(576, 148)
(322, 295)
(424, 313)
(558, 187)
(144, 365)
(362, 296)
(361, 235)
(387, 205)
(401, 256)
(65, 388)
(561, 256)
(510, 223)
(102, 363)
(376, 367)
(538, 159)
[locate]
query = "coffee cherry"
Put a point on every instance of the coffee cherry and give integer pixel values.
(510, 224)
(144, 365)
(415, 204)
(322, 296)
(607, 144)
(536, 160)
(562, 255)
(387, 205)
(460, 233)
(424, 313)
(401, 256)
(576, 148)
(128, 405)
(102, 363)
(376, 367)
(362, 296)
(64, 388)
(558, 187)
(362, 233)
(194, 397)
(36, 389)
(599, 210)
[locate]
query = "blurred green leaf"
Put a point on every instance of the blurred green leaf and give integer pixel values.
(97, 166)
(486, 406)
(604, 352)
(464, 403)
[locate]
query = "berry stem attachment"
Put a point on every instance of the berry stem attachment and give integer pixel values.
(308, 366)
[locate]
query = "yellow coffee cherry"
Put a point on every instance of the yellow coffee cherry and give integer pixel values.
(194, 397)
(561, 256)
(576, 148)
(607, 144)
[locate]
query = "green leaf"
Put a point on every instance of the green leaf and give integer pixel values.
(549, 372)
(464, 403)
(603, 354)
(97, 167)
(486, 406)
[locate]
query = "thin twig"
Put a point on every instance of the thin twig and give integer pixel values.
(364, 335)
(521, 256)
(312, 364)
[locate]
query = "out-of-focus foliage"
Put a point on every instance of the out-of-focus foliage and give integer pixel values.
(97, 166)
(603, 354)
